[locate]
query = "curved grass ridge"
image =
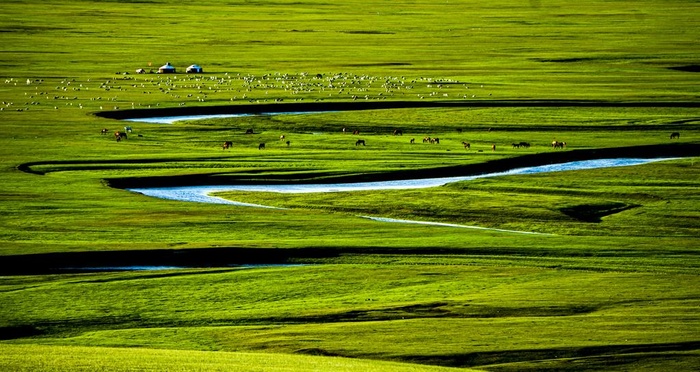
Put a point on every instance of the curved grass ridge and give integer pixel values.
(219, 178)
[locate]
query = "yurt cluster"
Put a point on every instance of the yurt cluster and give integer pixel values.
(167, 68)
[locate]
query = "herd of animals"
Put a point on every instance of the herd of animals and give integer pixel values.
(119, 135)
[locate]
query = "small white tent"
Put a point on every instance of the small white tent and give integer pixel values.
(166, 69)
(194, 69)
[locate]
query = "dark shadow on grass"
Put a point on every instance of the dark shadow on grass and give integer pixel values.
(484, 359)
(371, 105)
(231, 257)
(595, 212)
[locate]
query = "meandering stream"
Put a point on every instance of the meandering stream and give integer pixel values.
(202, 193)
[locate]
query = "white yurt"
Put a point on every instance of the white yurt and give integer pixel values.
(194, 69)
(166, 69)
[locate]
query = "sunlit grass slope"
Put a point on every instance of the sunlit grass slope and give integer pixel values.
(62, 358)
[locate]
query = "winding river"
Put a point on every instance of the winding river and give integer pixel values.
(202, 193)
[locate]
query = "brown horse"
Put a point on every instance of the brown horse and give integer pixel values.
(360, 142)
(467, 145)
(675, 135)
(104, 131)
(227, 145)
(119, 135)
(558, 145)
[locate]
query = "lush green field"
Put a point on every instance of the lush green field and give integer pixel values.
(608, 281)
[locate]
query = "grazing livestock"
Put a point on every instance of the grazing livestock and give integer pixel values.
(398, 132)
(413, 140)
(281, 137)
(104, 131)
(249, 131)
(287, 143)
(675, 135)
(360, 142)
(467, 145)
(356, 132)
(493, 147)
(119, 135)
(516, 145)
(558, 145)
(227, 145)
(261, 146)
(525, 144)
(128, 129)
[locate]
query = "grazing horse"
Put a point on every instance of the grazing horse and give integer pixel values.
(413, 140)
(119, 135)
(104, 131)
(525, 144)
(467, 145)
(558, 145)
(281, 137)
(360, 142)
(249, 131)
(435, 140)
(227, 145)
(287, 143)
(493, 147)
(261, 146)
(398, 132)
(516, 145)
(355, 132)
(675, 135)
(427, 139)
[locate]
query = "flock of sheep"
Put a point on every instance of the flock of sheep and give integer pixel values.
(123, 90)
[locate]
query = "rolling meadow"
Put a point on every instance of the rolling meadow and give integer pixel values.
(582, 270)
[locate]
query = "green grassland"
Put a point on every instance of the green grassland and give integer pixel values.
(578, 270)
